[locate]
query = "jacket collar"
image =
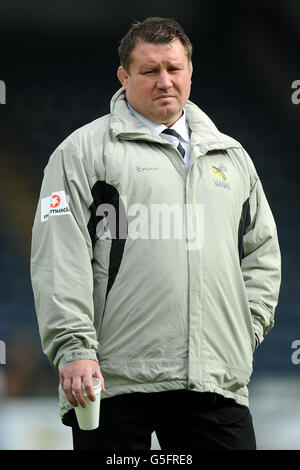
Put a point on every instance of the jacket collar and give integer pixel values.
(205, 135)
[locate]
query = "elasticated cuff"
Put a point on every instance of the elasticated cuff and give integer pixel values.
(76, 355)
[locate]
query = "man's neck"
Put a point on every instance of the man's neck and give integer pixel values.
(156, 127)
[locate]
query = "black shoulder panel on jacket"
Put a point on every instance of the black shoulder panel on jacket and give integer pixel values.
(108, 211)
(243, 225)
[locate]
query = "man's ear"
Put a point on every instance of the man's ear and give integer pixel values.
(191, 70)
(122, 76)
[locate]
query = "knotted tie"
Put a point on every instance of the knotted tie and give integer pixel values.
(175, 134)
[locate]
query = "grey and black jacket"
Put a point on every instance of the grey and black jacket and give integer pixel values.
(167, 276)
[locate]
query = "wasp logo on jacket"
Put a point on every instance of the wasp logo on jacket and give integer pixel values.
(220, 174)
(56, 204)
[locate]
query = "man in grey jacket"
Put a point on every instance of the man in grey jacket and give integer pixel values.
(155, 261)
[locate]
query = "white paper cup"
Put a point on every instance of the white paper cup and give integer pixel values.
(88, 418)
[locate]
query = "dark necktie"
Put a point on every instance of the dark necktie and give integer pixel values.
(175, 134)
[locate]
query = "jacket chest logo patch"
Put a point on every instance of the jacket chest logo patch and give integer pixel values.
(220, 176)
(140, 169)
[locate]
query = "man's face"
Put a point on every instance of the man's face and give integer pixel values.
(158, 82)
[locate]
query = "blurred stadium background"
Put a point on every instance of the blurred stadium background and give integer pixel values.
(58, 61)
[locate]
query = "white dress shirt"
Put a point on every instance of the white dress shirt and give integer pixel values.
(181, 126)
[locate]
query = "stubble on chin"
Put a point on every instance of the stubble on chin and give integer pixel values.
(164, 116)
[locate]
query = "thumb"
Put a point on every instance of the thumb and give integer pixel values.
(98, 375)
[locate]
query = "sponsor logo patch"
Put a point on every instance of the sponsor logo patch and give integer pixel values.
(220, 176)
(56, 204)
(140, 169)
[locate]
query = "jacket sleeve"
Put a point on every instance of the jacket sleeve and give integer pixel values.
(261, 259)
(61, 256)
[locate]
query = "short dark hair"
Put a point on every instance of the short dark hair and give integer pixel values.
(153, 30)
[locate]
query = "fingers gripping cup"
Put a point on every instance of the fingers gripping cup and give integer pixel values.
(88, 418)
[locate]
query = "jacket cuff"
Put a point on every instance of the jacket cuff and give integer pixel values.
(258, 333)
(262, 320)
(76, 355)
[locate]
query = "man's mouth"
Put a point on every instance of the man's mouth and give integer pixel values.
(164, 97)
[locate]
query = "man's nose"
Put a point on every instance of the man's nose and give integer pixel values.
(164, 80)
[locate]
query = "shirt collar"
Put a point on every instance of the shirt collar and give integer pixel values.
(180, 126)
